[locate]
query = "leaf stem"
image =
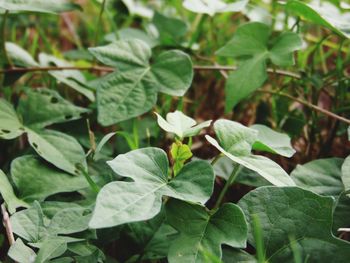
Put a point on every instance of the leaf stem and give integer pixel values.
(88, 178)
(7, 223)
(217, 157)
(229, 182)
(99, 21)
(310, 105)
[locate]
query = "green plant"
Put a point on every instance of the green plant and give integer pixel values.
(100, 163)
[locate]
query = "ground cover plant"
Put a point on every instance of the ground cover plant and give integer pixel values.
(174, 131)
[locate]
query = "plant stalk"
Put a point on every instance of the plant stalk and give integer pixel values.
(229, 182)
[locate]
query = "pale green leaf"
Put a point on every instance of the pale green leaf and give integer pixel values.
(43, 107)
(133, 89)
(138, 8)
(322, 13)
(51, 248)
(72, 78)
(124, 202)
(58, 148)
(29, 223)
(21, 253)
(200, 230)
(250, 46)
(10, 125)
(321, 176)
(293, 220)
(19, 56)
(211, 7)
(180, 124)
(270, 141)
(42, 6)
(236, 142)
(7, 193)
(34, 180)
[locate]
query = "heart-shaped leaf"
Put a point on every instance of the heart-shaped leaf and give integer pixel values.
(236, 142)
(58, 148)
(42, 6)
(180, 124)
(294, 221)
(10, 125)
(250, 46)
(202, 231)
(211, 7)
(124, 202)
(44, 107)
(121, 95)
(34, 180)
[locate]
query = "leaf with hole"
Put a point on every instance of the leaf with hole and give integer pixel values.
(10, 125)
(43, 107)
(58, 148)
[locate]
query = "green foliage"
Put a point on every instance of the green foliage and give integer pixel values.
(89, 174)
(252, 47)
(121, 95)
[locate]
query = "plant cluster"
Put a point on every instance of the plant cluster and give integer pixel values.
(174, 131)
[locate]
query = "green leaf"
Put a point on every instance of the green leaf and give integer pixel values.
(345, 169)
(152, 238)
(60, 149)
(29, 223)
(211, 7)
(231, 255)
(7, 193)
(180, 153)
(133, 33)
(250, 46)
(171, 30)
(323, 14)
(138, 8)
(19, 56)
(124, 202)
(72, 78)
(274, 142)
(21, 253)
(321, 176)
(200, 230)
(180, 124)
(44, 107)
(236, 141)
(10, 125)
(34, 180)
(121, 95)
(224, 168)
(50, 249)
(293, 219)
(42, 6)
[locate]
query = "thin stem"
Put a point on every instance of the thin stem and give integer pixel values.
(310, 105)
(229, 182)
(7, 224)
(3, 35)
(92, 184)
(217, 157)
(99, 21)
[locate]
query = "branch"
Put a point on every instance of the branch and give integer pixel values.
(109, 69)
(7, 224)
(307, 104)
